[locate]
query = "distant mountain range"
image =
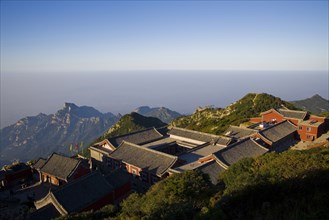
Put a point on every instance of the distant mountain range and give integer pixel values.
(40, 135)
(316, 104)
(164, 114)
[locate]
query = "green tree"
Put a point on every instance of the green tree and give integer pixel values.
(177, 197)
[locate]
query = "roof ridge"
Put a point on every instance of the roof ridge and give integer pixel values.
(272, 109)
(250, 129)
(170, 165)
(275, 125)
(158, 132)
(290, 110)
(221, 163)
(317, 116)
(262, 136)
(221, 136)
(147, 149)
(135, 132)
(228, 140)
(60, 208)
(234, 144)
(258, 144)
(291, 123)
(74, 169)
(106, 140)
(198, 132)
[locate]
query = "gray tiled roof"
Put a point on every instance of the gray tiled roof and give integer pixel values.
(238, 132)
(40, 162)
(213, 169)
(278, 131)
(292, 113)
(60, 166)
(82, 192)
(163, 130)
(239, 150)
(45, 213)
(101, 149)
(194, 155)
(223, 140)
(147, 159)
(118, 178)
(139, 137)
(199, 136)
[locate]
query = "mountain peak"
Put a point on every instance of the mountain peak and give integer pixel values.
(70, 105)
(39, 135)
(316, 104)
(142, 109)
(164, 114)
(317, 96)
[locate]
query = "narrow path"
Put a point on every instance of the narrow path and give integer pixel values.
(254, 100)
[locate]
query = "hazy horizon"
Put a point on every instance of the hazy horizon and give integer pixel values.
(118, 55)
(123, 91)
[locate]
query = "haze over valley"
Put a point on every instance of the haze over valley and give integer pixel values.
(28, 94)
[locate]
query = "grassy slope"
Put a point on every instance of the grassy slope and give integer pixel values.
(290, 185)
(216, 120)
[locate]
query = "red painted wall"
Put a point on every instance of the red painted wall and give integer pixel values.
(308, 135)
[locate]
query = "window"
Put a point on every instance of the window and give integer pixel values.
(309, 137)
(300, 128)
(308, 129)
(133, 171)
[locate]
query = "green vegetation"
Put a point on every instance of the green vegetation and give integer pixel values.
(290, 185)
(106, 212)
(324, 114)
(133, 122)
(216, 120)
(179, 196)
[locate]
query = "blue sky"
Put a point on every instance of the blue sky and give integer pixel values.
(118, 55)
(101, 36)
